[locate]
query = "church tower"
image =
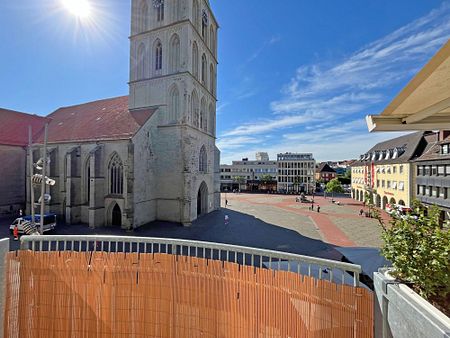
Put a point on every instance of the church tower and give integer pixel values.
(173, 67)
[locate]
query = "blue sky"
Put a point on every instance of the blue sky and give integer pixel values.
(294, 75)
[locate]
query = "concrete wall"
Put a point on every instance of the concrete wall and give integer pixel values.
(401, 313)
(12, 184)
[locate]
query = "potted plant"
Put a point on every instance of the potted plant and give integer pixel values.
(419, 248)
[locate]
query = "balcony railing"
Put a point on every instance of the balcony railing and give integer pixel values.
(334, 271)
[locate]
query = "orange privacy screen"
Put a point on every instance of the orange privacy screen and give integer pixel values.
(86, 294)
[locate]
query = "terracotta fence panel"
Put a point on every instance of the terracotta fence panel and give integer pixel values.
(99, 294)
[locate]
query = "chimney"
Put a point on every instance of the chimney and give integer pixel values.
(443, 134)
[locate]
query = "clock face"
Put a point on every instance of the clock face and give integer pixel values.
(205, 17)
(158, 3)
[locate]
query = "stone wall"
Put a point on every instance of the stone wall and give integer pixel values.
(12, 183)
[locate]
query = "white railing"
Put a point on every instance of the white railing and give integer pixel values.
(335, 271)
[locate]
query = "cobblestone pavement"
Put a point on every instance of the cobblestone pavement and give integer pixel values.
(339, 225)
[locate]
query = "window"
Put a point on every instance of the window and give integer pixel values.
(115, 175)
(203, 160)
(401, 169)
(434, 170)
(212, 122)
(382, 183)
(195, 13)
(205, 26)
(445, 149)
(401, 185)
(388, 169)
(420, 190)
(142, 17)
(394, 185)
(158, 55)
(378, 183)
(160, 12)
(174, 105)
(388, 184)
(195, 109)
(427, 170)
(174, 59)
(203, 119)
(195, 59)
(394, 169)
(441, 170)
(428, 191)
(420, 170)
(212, 37)
(87, 180)
(204, 65)
(443, 193)
(434, 192)
(141, 69)
(212, 79)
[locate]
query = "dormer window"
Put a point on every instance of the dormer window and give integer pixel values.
(445, 149)
(388, 154)
(395, 153)
(374, 156)
(380, 155)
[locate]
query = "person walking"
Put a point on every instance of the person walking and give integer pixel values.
(226, 203)
(312, 206)
(16, 232)
(361, 212)
(227, 219)
(318, 208)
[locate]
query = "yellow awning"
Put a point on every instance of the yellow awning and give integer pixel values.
(424, 104)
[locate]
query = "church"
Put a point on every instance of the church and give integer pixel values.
(151, 155)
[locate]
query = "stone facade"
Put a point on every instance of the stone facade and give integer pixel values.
(166, 167)
(12, 184)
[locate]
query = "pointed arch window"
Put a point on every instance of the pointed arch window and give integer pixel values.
(159, 11)
(142, 17)
(212, 80)
(203, 160)
(174, 105)
(205, 22)
(204, 67)
(195, 13)
(195, 109)
(195, 59)
(87, 180)
(212, 38)
(158, 56)
(174, 60)
(115, 170)
(203, 119)
(211, 119)
(141, 62)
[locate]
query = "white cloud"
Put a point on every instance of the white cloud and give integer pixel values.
(320, 99)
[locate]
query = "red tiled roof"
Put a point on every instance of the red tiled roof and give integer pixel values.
(14, 127)
(107, 119)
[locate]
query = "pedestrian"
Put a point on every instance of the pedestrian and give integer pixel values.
(312, 206)
(16, 232)
(226, 203)
(227, 219)
(361, 212)
(318, 208)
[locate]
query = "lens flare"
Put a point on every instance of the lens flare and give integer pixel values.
(79, 8)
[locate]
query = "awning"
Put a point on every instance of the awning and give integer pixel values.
(424, 104)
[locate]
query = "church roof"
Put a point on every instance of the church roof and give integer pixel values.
(14, 127)
(108, 119)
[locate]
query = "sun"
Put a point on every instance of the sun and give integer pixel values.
(79, 8)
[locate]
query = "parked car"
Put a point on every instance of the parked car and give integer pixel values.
(49, 222)
(400, 211)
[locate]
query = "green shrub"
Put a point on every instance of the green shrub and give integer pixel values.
(419, 250)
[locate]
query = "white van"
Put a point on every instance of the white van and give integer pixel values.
(49, 222)
(400, 211)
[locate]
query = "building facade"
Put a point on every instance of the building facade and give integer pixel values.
(150, 156)
(325, 173)
(386, 172)
(296, 172)
(13, 153)
(432, 184)
(246, 174)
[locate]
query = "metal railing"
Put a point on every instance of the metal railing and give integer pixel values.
(334, 271)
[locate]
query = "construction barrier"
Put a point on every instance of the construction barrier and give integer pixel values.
(99, 294)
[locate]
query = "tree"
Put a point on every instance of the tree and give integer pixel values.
(334, 186)
(266, 178)
(240, 180)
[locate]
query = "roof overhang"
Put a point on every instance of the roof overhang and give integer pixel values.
(424, 104)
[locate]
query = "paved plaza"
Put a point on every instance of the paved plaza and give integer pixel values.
(339, 225)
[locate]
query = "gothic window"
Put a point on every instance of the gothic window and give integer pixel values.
(204, 66)
(141, 62)
(174, 105)
(205, 26)
(203, 160)
(87, 180)
(195, 59)
(158, 55)
(212, 37)
(142, 17)
(115, 169)
(211, 119)
(203, 119)
(195, 13)
(195, 109)
(212, 79)
(174, 59)
(159, 6)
